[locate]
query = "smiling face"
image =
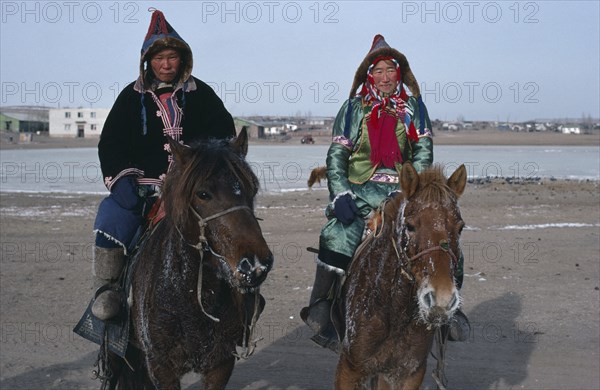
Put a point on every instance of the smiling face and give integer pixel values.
(165, 65)
(385, 76)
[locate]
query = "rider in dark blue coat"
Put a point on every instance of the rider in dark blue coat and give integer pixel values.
(165, 100)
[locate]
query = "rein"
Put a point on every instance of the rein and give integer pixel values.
(203, 246)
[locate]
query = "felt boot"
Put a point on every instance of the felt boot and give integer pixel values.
(107, 267)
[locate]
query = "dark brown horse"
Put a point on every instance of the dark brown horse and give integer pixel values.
(400, 286)
(194, 297)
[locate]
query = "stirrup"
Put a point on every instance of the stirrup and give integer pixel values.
(328, 339)
(459, 328)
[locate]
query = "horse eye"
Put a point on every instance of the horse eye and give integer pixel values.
(410, 227)
(203, 195)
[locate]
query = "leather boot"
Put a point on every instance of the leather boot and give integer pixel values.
(318, 312)
(107, 267)
(317, 315)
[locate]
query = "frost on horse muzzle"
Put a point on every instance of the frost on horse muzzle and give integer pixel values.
(251, 271)
(437, 295)
(437, 305)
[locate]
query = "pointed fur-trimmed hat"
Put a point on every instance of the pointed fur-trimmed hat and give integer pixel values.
(380, 48)
(161, 36)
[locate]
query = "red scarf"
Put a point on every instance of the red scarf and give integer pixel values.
(383, 119)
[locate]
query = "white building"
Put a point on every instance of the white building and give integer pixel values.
(570, 130)
(77, 122)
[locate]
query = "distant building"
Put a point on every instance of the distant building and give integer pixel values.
(254, 129)
(274, 128)
(450, 126)
(23, 119)
(77, 122)
(570, 129)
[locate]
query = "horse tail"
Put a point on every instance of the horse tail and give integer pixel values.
(316, 175)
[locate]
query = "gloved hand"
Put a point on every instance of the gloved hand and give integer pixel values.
(124, 191)
(345, 209)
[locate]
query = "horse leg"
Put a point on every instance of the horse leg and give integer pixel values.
(381, 383)
(217, 378)
(163, 375)
(414, 381)
(346, 377)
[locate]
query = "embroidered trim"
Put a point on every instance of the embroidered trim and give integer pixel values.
(171, 126)
(385, 178)
(110, 181)
(151, 182)
(345, 142)
(426, 133)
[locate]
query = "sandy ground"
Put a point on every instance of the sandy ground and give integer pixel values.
(531, 291)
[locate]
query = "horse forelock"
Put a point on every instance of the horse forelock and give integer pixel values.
(433, 186)
(207, 161)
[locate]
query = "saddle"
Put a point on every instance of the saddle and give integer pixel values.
(334, 333)
(114, 333)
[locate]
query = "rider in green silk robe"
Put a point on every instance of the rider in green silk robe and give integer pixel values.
(377, 129)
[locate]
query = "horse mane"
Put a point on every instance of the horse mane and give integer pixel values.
(206, 160)
(432, 188)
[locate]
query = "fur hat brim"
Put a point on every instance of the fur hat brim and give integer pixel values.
(165, 43)
(407, 76)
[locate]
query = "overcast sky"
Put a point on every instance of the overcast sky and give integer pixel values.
(488, 60)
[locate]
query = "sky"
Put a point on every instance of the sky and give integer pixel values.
(474, 60)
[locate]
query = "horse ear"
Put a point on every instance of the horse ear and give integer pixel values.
(458, 180)
(409, 179)
(178, 150)
(240, 143)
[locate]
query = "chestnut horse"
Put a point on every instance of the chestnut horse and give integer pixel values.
(400, 286)
(195, 280)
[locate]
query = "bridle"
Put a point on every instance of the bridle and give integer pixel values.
(203, 246)
(406, 262)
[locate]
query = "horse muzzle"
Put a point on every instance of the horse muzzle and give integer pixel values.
(251, 271)
(437, 308)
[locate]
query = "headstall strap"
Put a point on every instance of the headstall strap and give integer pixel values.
(444, 246)
(202, 247)
(248, 343)
(202, 244)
